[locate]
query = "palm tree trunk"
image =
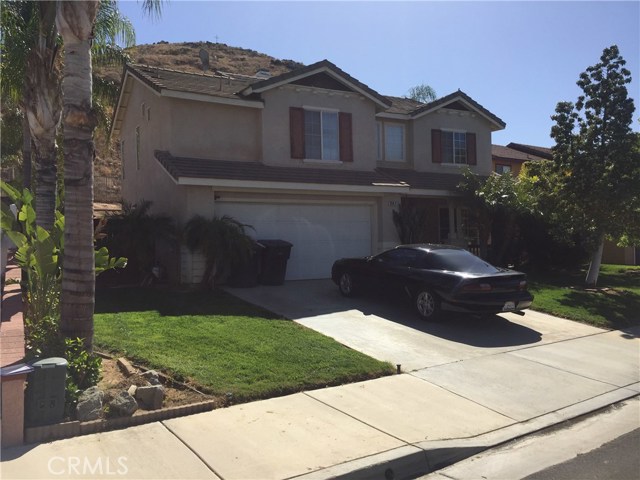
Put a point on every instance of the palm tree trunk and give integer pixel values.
(42, 108)
(26, 153)
(75, 21)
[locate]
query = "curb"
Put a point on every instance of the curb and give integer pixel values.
(60, 431)
(414, 460)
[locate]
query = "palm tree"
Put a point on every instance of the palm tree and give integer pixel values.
(31, 71)
(29, 59)
(75, 21)
(222, 241)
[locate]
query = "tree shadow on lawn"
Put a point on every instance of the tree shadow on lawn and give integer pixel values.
(619, 308)
(176, 302)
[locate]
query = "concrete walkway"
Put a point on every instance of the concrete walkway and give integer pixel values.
(467, 392)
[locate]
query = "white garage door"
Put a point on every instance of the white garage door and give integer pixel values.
(320, 234)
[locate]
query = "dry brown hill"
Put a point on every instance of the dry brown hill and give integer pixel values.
(183, 57)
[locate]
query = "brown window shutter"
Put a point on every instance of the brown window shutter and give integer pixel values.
(346, 142)
(436, 146)
(296, 129)
(471, 149)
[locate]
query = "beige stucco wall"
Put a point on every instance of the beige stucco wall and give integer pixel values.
(275, 121)
(215, 131)
(143, 180)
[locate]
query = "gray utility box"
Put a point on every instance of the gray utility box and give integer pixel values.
(45, 394)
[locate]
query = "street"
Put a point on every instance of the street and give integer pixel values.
(616, 460)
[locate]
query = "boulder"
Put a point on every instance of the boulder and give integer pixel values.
(150, 397)
(152, 377)
(89, 405)
(123, 405)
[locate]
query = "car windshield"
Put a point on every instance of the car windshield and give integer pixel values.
(458, 261)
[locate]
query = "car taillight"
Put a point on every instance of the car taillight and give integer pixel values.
(477, 287)
(522, 285)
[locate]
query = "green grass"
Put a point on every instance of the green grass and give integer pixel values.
(224, 344)
(614, 304)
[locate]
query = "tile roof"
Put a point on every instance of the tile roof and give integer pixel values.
(402, 105)
(498, 151)
(450, 98)
(219, 85)
(424, 180)
(186, 167)
(543, 152)
(309, 70)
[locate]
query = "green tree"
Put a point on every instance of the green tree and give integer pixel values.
(222, 241)
(489, 198)
(422, 93)
(598, 171)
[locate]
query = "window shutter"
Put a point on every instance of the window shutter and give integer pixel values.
(296, 129)
(346, 143)
(436, 146)
(471, 149)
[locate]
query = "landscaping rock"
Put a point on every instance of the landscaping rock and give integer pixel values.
(150, 397)
(132, 390)
(123, 405)
(90, 404)
(152, 377)
(126, 367)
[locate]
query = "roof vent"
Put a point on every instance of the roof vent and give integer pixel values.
(263, 74)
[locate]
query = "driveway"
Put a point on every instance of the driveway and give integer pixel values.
(391, 331)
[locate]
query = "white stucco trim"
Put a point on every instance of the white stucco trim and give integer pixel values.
(290, 186)
(467, 104)
(211, 99)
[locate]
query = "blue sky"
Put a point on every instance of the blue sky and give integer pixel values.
(518, 59)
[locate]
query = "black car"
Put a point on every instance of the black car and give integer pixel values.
(435, 278)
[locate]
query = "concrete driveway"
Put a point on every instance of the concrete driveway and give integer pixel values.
(391, 331)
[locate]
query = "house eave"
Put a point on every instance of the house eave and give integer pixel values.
(290, 186)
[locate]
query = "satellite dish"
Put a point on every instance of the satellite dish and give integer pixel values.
(204, 57)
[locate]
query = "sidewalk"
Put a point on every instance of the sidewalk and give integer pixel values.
(397, 427)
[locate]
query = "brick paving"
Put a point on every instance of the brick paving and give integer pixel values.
(12, 324)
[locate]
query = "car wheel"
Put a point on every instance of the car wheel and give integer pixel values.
(346, 285)
(427, 304)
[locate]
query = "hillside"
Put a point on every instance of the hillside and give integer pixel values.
(186, 57)
(183, 57)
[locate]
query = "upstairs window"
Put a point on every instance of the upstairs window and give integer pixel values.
(454, 148)
(321, 135)
(318, 134)
(391, 142)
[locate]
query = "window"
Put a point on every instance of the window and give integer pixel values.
(138, 148)
(318, 134)
(390, 142)
(503, 169)
(454, 148)
(321, 135)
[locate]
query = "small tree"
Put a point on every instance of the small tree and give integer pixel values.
(422, 93)
(598, 167)
(222, 241)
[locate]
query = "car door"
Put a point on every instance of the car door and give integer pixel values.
(390, 270)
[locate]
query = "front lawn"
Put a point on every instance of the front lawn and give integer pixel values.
(224, 344)
(614, 304)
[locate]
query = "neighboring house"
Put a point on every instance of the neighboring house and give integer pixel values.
(314, 157)
(509, 159)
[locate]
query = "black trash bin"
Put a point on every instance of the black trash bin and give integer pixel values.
(274, 261)
(45, 394)
(246, 275)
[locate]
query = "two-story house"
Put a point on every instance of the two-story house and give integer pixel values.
(313, 156)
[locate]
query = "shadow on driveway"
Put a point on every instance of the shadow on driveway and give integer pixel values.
(311, 298)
